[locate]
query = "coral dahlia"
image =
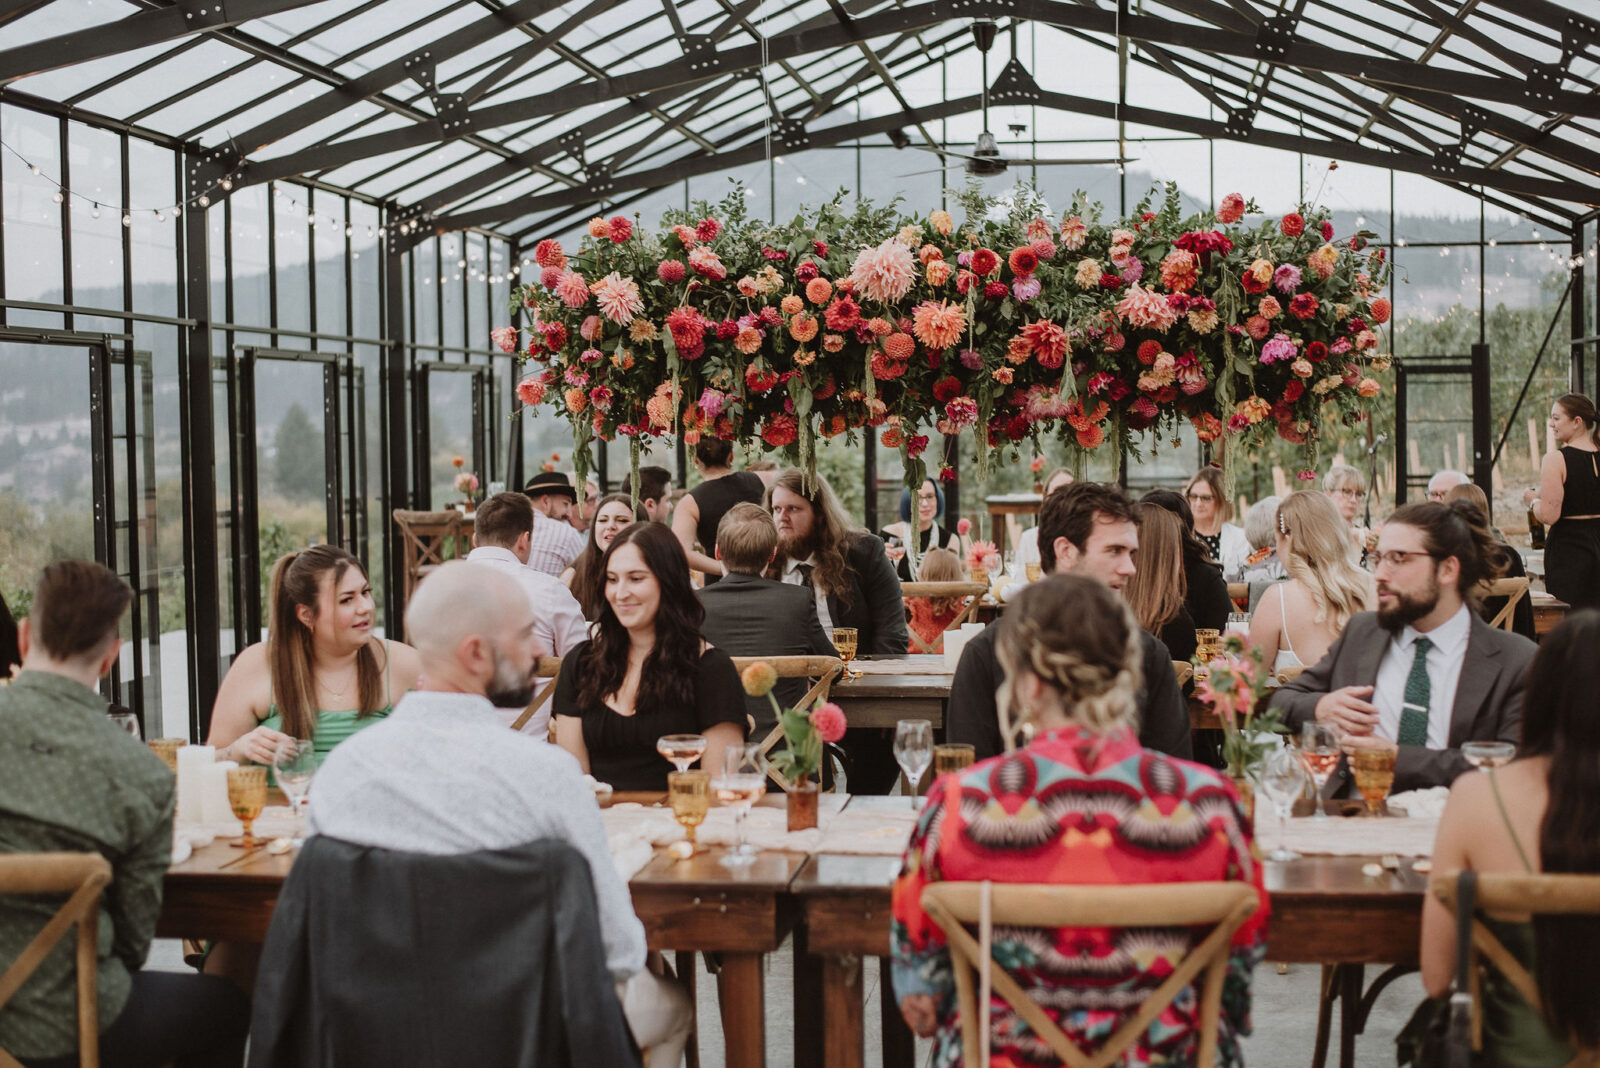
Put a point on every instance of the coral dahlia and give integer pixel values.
(937, 324)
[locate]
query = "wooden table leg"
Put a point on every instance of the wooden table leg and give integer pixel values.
(684, 962)
(1328, 990)
(808, 992)
(1351, 976)
(899, 1045)
(741, 991)
(844, 1039)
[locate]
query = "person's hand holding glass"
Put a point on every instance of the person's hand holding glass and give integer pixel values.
(1319, 751)
(913, 751)
(294, 762)
(1282, 780)
(740, 783)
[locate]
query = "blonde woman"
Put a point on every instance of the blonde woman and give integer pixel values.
(1157, 591)
(1071, 652)
(1299, 620)
(1225, 541)
(929, 616)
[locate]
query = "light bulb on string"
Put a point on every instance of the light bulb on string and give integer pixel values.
(204, 201)
(160, 217)
(127, 220)
(59, 196)
(349, 231)
(227, 185)
(95, 212)
(34, 167)
(177, 210)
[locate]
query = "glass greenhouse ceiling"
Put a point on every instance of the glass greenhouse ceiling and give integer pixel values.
(518, 116)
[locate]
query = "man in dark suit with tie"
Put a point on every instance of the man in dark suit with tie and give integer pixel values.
(853, 584)
(1423, 671)
(748, 615)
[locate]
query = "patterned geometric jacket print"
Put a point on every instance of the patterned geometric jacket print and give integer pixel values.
(1079, 808)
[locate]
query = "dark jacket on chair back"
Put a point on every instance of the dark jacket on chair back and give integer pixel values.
(488, 958)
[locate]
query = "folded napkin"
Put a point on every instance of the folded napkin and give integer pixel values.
(920, 664)
(1355, 836)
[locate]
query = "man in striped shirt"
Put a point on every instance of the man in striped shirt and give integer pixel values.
(555, 544)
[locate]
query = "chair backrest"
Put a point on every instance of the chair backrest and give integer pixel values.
(426, 535)
(824, 669)
(972, 591)
(1285, 674)
(82, 876)
(1513, 590)
(1541, 895)
(1225, 905)
(549, 668)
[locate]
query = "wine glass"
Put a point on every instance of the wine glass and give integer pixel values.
(1319, 750)
(689, 793)
(126, 720)
(247, 794)
(896, 550)
(844, 640)
(1281, 780)
(740, 783)
(913, 751)
(293, 764)
(681, 749)
(1488, 754)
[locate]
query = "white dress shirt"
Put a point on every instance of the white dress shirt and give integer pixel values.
(442, 775)
(1449, 652)
(554, 546)
(794, 577)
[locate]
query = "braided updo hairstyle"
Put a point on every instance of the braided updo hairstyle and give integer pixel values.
(1081, 641)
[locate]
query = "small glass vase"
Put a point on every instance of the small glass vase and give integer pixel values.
(802, 804)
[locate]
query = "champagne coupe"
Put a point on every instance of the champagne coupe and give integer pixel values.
(247, 794)
(1372, 764)
(1488, 754)
(844, 640)
(953, 756)
(689, 792)
(740, 783)
(1281, 780)
(913, 751)
(681, 749)
(1319, 750)
(293, 764)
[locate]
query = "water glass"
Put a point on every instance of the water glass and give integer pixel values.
(740, 782)
(1319, 751)
(167, 750)
(294, 762)
(953, 756)
(127, 721)
(1281, 780)
(913, 751)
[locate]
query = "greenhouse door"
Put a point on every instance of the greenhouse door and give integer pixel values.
(77, 481)
(1441, 421)
(301, 480)
(452, 402)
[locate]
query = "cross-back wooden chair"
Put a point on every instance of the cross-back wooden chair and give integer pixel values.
(549, 667)
(1513, 590)
(954, 906)
(825, 669)
(83, 876)
(1541, 895)
(972, 591)
(1290, 673)
(426, 536)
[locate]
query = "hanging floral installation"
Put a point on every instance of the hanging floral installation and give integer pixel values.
(1013, 324)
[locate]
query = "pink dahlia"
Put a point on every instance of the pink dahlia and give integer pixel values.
(828, 718)
(1073, 233)
(601, 397)
(572, 289)
(530, 391)
(504, 338)
(886, 272)
(937, 324)
(591, 328)
(1026, 287)
(1278, 349)
(547, 253)
(712, 401)
(1045, 403)
(1286, 279)
(619, 297)
(707, 263)
(708, 229)
(963, 411)
(550, 276)
(619, 229)
(1048, 341)
(1146, 309)
(1231, 209)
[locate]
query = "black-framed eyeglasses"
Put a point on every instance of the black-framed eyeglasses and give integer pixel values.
(1397, 557)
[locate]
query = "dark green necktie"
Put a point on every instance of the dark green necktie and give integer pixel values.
(1414, 714)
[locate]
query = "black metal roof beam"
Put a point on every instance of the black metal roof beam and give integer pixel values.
(139, 30)
(525, 54)
(876, 63)
(738, 18)
(1457, 24)
(1560, 20)
(11, 10)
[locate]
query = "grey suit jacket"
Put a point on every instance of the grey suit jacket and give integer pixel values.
(747, 615)
(1488, 705)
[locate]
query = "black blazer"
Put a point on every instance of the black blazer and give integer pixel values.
(747, 615)
(875, 608)
(1488, 705)
(491, 958)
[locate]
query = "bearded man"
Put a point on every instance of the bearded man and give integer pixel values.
(1423, 672)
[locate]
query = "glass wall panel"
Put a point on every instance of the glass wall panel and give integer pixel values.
(476, 275)
(161, 517)
(32, 217)
(154, 254)
(249, 270)
(96, 159)
(292, 249)
(452, 269)
(365, 269)
(425, 288)
(328, 239)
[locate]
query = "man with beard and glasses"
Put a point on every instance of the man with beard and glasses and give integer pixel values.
(854, 585)
(442, 775)
(1423, 671)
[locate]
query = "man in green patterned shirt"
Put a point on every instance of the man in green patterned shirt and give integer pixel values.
(72, 781)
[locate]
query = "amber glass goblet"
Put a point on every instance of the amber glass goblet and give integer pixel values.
(689, 793)
(247, 793)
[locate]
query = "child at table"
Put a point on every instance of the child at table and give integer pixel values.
(929, 616)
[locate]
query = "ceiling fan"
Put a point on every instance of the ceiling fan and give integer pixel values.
(985, 160)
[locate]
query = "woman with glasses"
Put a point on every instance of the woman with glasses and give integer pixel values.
(1345, 486)
(1297, 621)
(1224, 540)
(931, 533)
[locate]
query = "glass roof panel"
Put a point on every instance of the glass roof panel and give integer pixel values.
(55, 19)
(66, 82)
(164, 79)
(411, 42)
(195, 109)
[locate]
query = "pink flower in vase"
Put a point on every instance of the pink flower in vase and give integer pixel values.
(828, 718)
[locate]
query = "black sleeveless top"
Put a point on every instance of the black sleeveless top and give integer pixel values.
(1581, 494)
(715, 497)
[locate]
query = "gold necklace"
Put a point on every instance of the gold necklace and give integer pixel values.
(338, 693)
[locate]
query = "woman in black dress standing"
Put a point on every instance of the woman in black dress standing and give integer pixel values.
(696, 517)
(647, 671)
(1568, 503)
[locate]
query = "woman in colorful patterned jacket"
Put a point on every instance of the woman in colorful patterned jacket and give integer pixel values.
(1081, 803)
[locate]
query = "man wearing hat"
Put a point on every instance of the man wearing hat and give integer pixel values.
(555, 544)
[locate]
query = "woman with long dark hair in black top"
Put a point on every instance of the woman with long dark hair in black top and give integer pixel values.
(1568, 502)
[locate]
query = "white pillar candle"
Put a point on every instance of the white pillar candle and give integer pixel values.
(954, 642)
(192, 762)
(214, 806)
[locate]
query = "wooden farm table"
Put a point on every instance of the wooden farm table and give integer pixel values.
(1548, 611)
(1001, 505)
(882, 698)
(1324, 911)
(225, 893)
